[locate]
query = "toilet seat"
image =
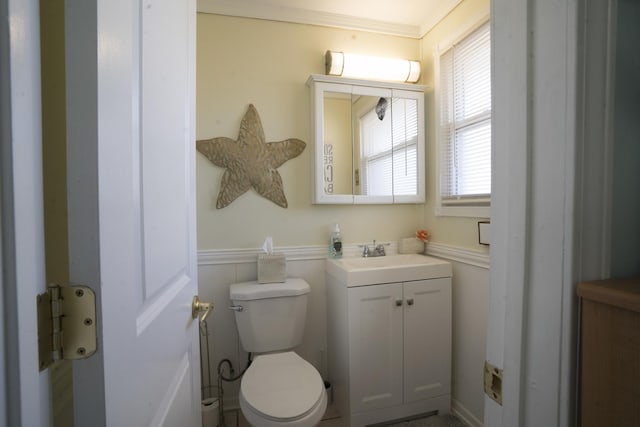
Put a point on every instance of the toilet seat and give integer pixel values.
(282, 389)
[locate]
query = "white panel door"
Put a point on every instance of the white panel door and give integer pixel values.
(427, 339)
(130, 97)
(375, 356)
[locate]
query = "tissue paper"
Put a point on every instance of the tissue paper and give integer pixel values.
(210, 408)
(267, 246)
(272, 267)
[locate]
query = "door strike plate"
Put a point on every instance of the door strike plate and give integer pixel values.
(493, 382)
(66, 324)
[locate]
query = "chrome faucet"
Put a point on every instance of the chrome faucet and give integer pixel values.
(375, 251)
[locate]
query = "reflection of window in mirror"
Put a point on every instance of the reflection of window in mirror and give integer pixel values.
(464, 137)
(388, 137)
(374, 147)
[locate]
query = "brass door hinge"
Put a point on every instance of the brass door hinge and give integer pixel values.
(66, 324)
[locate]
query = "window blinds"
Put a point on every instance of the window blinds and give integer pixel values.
(465, 120)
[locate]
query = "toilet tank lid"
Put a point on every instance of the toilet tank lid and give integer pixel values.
(253, 290)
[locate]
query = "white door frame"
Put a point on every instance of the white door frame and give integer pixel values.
(552, 86)
(24, 398)
(509, 203)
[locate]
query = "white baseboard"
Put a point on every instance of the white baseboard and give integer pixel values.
(462, 413)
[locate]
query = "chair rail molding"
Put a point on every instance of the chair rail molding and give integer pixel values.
(315, 252)
(459, 254)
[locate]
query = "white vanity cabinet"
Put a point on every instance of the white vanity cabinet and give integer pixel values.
(389, 348)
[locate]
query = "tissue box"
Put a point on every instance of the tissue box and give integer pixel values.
(272, 268)
(410, 245)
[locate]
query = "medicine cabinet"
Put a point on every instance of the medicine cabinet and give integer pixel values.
(368, 141)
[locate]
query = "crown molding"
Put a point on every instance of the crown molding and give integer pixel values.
(260, 10)
(438, 15)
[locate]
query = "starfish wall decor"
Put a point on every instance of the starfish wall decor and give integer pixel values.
(250, 161)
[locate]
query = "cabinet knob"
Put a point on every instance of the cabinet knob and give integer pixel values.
(398, 302)
(409, 301)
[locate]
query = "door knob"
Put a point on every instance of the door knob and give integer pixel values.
(198, 307)
(398, 302)
(410, 301)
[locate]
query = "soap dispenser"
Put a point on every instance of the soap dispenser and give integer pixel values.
(335, 244)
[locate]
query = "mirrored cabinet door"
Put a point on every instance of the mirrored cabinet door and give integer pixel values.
(369, 141)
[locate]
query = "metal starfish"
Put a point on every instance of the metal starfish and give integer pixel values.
(250, 161)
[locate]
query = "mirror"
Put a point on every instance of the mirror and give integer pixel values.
(369, 141)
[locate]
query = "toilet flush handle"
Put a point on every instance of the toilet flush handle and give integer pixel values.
(236, 308)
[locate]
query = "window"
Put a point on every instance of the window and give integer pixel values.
(465, 126)
(391, 148)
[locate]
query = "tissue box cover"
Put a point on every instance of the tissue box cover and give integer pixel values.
(272, 268)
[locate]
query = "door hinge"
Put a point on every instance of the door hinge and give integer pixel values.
(493, 382)
(66, 324)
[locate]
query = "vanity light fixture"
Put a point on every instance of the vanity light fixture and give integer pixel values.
(371, 67)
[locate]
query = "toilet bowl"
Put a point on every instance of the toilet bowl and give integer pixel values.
(282, 389)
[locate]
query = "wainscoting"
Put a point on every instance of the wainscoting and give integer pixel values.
(217, 269)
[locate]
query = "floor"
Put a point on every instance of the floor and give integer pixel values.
(234, 418)
(447, 420)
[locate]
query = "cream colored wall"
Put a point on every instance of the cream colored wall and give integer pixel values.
(242, 61)
(455, 231)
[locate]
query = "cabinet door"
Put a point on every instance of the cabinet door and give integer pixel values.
(375, 356)
(427, 339)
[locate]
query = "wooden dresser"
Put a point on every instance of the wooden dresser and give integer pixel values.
(610, 353)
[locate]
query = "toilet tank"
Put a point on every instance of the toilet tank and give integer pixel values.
(273, 315)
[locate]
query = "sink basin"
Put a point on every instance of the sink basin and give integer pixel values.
(387, 269)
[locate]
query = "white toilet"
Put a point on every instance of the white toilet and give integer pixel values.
(279, 388)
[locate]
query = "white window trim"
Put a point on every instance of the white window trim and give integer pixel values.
(466, 29)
